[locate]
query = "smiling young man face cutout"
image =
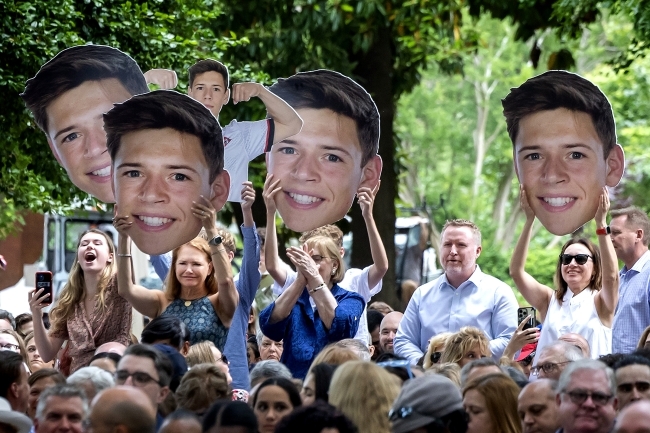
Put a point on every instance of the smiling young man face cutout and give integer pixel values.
(321, 168)
(167, 152)
(564, 147)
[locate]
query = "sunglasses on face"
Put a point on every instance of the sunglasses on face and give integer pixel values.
(140, 378)
(435, 357)
(578, 397)
(581, 259)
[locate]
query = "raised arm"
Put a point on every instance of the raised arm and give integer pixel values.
(163, 78)
(147, 302)
(379, 267)
(607, 297)
(47, 346)
(249, 276)
(287, 121)
(287, 300)
(226, 299)
(274, 265)
(538, 295)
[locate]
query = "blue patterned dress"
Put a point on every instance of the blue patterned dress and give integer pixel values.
(201, 320)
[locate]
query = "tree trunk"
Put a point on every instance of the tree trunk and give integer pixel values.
(375, 73)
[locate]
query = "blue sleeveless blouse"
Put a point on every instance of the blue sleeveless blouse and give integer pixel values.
(201, 320)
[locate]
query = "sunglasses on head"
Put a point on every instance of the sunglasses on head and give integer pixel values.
(581, 259)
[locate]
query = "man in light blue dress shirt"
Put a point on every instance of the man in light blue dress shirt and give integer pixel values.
(630, 231)
(462, 296)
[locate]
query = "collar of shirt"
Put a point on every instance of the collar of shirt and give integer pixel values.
(475, 279)
(638, 265)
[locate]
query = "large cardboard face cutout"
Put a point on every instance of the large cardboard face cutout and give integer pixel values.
(321, 168)
(166, 149)
(559, 155)
(68, 96)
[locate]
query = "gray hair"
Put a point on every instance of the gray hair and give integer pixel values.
(586, 364)
(259, 337)
(571, 353)
(64, 391)
(268, 369)
(481, 362)
(357, 346)
(100, 379)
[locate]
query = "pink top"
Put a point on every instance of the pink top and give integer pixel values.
(87, 332)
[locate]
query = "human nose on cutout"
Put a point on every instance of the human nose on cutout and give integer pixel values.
(305, 169)
(95, 142)
(554, 172)
(152, 191)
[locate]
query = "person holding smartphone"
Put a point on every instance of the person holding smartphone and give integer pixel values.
(89, 311)
(587, 285)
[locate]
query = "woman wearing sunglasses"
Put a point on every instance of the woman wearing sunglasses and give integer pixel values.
(586, 280)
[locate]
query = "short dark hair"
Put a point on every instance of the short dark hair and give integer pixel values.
(324, 89)
(208, 65)
(314, 419)
(287, 385)
(74, 66)
(227, 413)
(44, 373)
(636, 219)
(374, 318)
(115, 357)
(166, 109)
(631, 359)
(22, 319)
(160, 360)
(165, 328)
(561, 89)
(11, 367)
(323, 374)
(6, 315)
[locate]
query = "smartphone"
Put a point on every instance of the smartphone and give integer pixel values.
(524, 312)
(44, 281)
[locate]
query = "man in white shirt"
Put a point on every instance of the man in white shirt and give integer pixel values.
(462, 296)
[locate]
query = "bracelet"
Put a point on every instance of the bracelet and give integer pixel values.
(123, 255)
(321, 286)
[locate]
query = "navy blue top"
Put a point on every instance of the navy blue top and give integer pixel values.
(304, 333)
(201, 320)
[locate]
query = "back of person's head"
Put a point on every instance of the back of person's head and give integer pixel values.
(382, 307)
(161, 362)
(635, 219)
(561, 89)
(450, 370)
(364, 392)
(94, 377)
(6, 315)
(165, 329)
(464, 341)
(74, 66)
(330, 230)
(323, 89)
(22, 320)
(286, 384)
(516, 375)
(586, 364)
(477, 363)
(180, 415)
(501, 395)
(611, 359)
(432, 402)
(357, 346)
(315, 418)
(46, 373)
(11, 368)
(333, 354)
(323, 374)
(162, 109)
(437, 345)
(126, 407)
(268, 369)
(63, 391)
(201, 386)
(374, 318)
(226, 413)
(201, 353)
(114, 357)
(208, 65)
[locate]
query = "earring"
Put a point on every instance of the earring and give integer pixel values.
(333, 271)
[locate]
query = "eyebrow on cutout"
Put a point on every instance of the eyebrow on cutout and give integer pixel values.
(564, 146)
(323, 147)
(168, 167)
(64, 130)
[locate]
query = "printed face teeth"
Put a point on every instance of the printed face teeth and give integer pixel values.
(558, 201)
(154, 221)
(106, 171)
(304, 199)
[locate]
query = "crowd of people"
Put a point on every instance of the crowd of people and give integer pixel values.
(300, 346)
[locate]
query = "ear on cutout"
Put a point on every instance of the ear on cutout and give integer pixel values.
(371, 172)
(615, 166)
(219, 190)
(226, 97)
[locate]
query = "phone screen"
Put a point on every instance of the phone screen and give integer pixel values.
(44, 281)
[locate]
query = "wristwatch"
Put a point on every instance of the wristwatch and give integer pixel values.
(603, 231)
(215, 241)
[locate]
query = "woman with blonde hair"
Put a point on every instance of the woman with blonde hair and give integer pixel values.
(206, 352)
(201, 386)
(491, 403)
(291, 317)
(199, 288)
(450, 370)
(89, 311)
(364, 392)
(436, 347)
(465, 346)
